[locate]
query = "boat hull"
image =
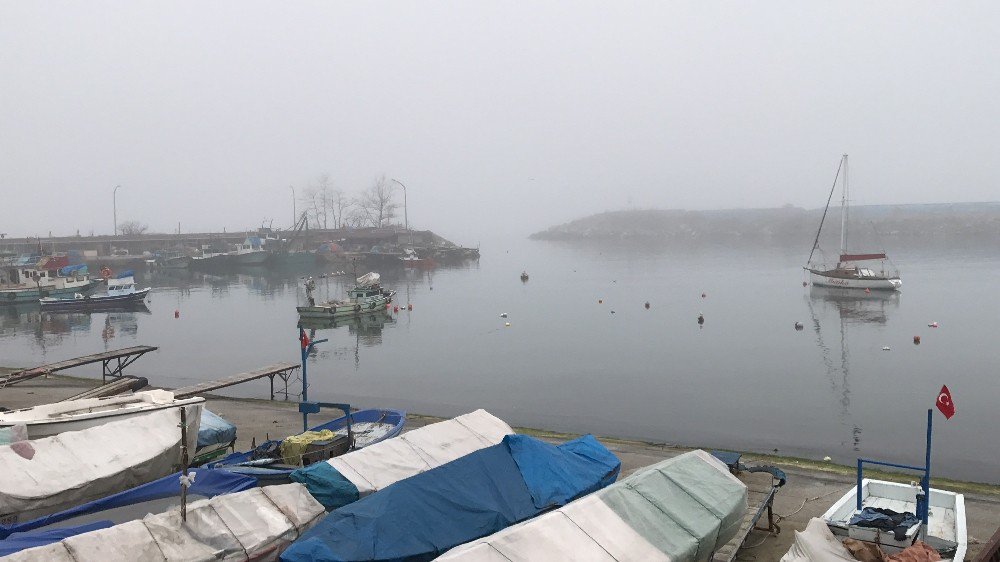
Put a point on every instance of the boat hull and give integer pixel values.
(252, 258)
(821, 279)
(344, 310)
(15, 296)
(100, 301)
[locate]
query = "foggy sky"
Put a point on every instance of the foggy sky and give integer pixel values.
(499, 117)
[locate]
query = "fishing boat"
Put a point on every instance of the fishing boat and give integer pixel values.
(133, 504)
(211, 258)
(52, 419)
(250, 252)
(684, 508)
(50, 277)
(121, 291)
(178, 261)
(55, 473)
(851, 269)
(410, 258)
(366, 296)
(946, 531)
(270, 465)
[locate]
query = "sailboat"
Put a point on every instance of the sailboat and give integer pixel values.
(852, 270)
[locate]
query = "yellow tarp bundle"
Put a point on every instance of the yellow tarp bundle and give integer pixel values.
(292, 448)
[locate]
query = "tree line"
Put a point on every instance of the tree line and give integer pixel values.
(326, 206)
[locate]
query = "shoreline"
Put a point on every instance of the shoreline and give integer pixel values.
(812, 486)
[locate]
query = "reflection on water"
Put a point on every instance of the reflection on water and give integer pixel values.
(366, 329)
(50, 328)
(853, 306)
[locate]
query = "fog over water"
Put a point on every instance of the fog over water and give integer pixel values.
(508, 117)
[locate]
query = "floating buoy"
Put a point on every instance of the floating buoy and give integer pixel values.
(503, 315)
(933, 325)
(804, 284)
(507, 324)
(868, 291)
(703, 295)
(798, 326)
(612, 312)
(387, 306)
(701, 318)
(885, 348)
(827, 459)
(647, 305)
(177, 314)
(395, 309)
(432, 288)
(916, 340)
(600, 301)
(409, 306)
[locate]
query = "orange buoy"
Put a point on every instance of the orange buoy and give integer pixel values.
(868, 291)
(916, 340)
(177, 314)
(395, 309)
(409, 307)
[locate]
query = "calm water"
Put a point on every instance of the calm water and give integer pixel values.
(746, 379)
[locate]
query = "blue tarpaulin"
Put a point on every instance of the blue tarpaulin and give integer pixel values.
(214, 430)
(207, 484)
(481, 493)
(124, 274)
(73, 269)
(20, 541)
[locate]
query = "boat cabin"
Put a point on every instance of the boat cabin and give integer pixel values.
(122, 285)
(361, 293)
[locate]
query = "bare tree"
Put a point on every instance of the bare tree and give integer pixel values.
(340, 206)
(376, 205)
(132, 228)
(320, 202)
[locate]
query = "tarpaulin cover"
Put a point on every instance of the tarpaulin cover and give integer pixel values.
(124, 274)
(294, 446)
(255, 524)
(21, 541)
(72, 270)
(207, 484)
(392, 460)
(214, 430)
(817, 544)
(75, 467)
(478, 494)
(681, 509)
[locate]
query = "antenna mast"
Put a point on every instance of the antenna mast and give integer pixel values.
(843, 213)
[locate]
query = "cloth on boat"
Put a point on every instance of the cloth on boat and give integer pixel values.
(682, 508)
(864, 551)
(292, 448)
(214, 430)
(480, 493)
(817, 544)
(885, 519)
(732, 460)
(384, 463)
(255, 524)
(918, 552)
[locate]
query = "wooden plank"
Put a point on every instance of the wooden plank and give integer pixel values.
(991, 550)
(26, 374)
(760, 492)
(240, 378)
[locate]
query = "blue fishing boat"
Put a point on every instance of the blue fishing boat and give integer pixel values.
(155, 497)
(266, 462)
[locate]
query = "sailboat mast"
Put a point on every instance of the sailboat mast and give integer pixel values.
(843, 213)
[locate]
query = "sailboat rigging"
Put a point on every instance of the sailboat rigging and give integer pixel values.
(850, 270)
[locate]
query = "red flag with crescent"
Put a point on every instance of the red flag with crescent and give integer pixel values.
(303, 338)
(945, 403)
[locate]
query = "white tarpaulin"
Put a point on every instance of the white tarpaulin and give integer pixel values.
(79, 466)
(817, 544)
(256, 524)
(368, 279)
(422, 449)
(681, 509)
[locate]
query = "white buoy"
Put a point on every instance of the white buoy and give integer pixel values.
(507, 324)
(503, 315)
(885, 348)
(827, 459)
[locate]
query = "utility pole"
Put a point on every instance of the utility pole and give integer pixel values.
(114, 207)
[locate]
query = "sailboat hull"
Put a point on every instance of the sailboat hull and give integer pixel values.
(831, 279)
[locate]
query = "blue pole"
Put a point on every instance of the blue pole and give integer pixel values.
(858, 494)
(927, 470)
(305, 379)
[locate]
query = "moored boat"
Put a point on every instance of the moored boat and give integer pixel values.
(367, 296)
(51, 419)
(250, 252)
(850, 270)
(174, 262)
(121, 291)
(47, 278)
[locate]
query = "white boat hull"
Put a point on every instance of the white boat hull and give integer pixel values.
(877, 284)
(946, 519)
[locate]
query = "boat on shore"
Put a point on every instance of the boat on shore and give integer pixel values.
(270, 464)
(121, 292)
(367, 296)
(47, 420)
(50, 277)
(851, 270)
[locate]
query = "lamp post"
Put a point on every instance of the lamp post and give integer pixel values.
(406, 219)
(114, 207)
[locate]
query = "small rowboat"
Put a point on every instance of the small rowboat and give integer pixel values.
(946, 521)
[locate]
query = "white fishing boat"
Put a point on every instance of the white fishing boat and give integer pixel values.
(367, 296)
(945, 531)
(851, 269)
(51, 474)
(122, 291)
(52, 419)
(250, 252)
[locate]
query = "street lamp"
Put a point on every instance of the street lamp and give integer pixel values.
(114, 207)
(406, 219)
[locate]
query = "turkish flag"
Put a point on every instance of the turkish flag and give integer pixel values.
(303, 338)
(944, 402)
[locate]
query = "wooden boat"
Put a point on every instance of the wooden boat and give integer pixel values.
(367, 427)
(946, 520)
(174, 262)
(52, 419)
(250, 252)
(850, 270)
(366, 296)
(410, 258)
(76, 467)
(44, 279)
(121, 291)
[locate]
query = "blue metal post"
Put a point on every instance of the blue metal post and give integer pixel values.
(927, 470)
(858, 494)
(305, 378)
